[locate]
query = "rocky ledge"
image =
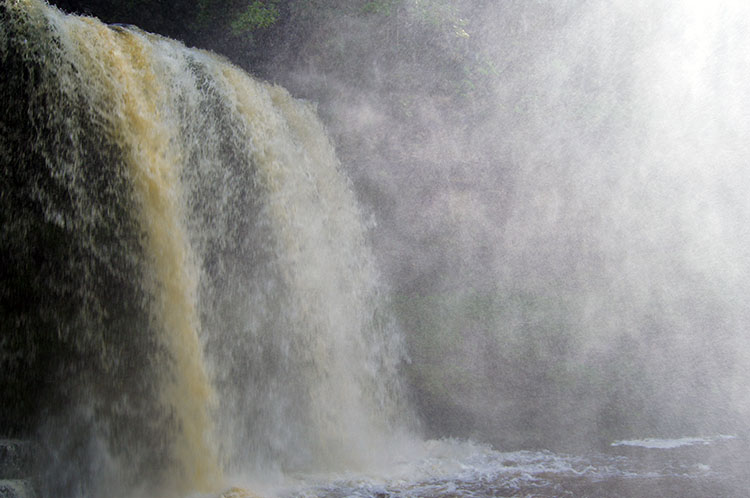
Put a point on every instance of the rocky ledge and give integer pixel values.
(16, 464)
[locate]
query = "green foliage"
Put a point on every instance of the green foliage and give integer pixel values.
(381, 7)
(256, 15)
(436, 12)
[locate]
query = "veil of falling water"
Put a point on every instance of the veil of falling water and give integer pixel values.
(188, 300)
(217, 308)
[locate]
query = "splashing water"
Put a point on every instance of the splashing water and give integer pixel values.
(189, 301)
(221, 207)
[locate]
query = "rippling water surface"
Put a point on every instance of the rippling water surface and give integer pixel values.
(681, 467)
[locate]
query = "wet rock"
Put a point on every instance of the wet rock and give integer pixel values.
(231, 493)
(16, 459)
(16, 488)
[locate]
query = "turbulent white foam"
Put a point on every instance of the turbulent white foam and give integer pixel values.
(667, 444)
(460, 468)
(424, 469)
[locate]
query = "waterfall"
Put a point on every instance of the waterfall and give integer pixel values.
(188, 288)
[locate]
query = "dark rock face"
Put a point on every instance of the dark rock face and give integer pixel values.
(16, 469)
(16, 459)
(16, 489)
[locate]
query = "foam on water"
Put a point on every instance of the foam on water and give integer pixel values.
(467, 469)
(666, 444)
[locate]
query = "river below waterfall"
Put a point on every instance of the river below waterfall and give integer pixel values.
(681, 467)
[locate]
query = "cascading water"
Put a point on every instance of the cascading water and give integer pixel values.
(188, 301)
(188, 283)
